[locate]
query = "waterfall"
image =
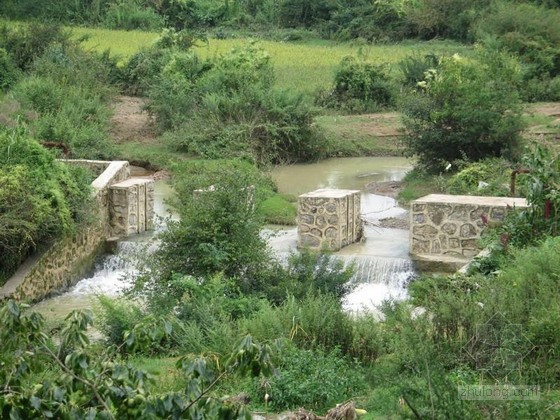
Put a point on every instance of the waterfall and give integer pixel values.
(113, 273)
(377, 279)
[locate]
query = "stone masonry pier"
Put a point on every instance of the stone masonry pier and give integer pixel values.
(329, 219)
(445, 229)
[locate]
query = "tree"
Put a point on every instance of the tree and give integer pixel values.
(465, 109)
(85, 383)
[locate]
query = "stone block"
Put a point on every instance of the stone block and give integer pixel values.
(131, 207)
(329, 219)
(451, 225)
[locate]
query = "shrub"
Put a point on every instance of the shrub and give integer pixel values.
(9, 73)
(444, 18)
(27, 42)
(127, 14)
(313, 379)
(314, 321)
(314, 272)
(415, 68)
(117, 317)
(64, 100)
(40, 199)
(530, 31)
(219, 230)
(465, 110)
(360, 87)
(541, 89)
(542, 217)
(488, 177)
(228, 108)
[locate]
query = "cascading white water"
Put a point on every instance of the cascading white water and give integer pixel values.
(377, 279)
(113, 273)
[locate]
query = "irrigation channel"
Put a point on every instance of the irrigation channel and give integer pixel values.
(383, 267)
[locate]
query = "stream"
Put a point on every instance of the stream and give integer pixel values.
(383, 267)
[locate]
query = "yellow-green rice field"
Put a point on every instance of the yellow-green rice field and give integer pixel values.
(301, 66)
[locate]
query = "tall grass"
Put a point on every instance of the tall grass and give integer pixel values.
(302, 66)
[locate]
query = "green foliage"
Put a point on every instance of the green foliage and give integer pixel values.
(465, 110)
(313, 379)
(416, 68)
(529, 31)
(541, 187)
(40, 199)
(228, 107)
(132, 14)
(117, 317)
(219, 229)
(9, 73)
(360, 86)
(278, 210)
(319, 273)
(94, 383)
(378, 21)
(27, 42)
(487, 177)
(65, 100)
(445, 18)
(314, 321)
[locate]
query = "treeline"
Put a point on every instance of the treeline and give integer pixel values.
(373, 21)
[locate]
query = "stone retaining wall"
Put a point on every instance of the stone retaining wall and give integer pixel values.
(450, 225)
(68, 259)
(329, 219)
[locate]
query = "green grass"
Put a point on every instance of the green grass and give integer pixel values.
(416, 185)
(279, 210)
(157, 154)
(301, 66)
(362, 135)
(167, 377)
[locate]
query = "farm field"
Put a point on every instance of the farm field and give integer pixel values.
(302, 66)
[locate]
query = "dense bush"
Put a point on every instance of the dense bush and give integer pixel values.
(9, 73)
(532, 33)
(540, 187)
(131, 14)
(464, 110)
(40, 199)
(360, 86)
(229, 108)
(26, 43)
(314, 379)
(489, 177)
(416, 68)
(219, 229)
(445, 18)
(46, 374)
(64, 99)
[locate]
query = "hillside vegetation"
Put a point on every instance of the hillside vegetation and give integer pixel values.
(213, 326)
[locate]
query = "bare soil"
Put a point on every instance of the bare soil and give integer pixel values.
(131, 122)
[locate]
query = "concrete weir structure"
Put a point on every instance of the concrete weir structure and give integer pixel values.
(121, 206)
(445, 229)
(329, 219)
